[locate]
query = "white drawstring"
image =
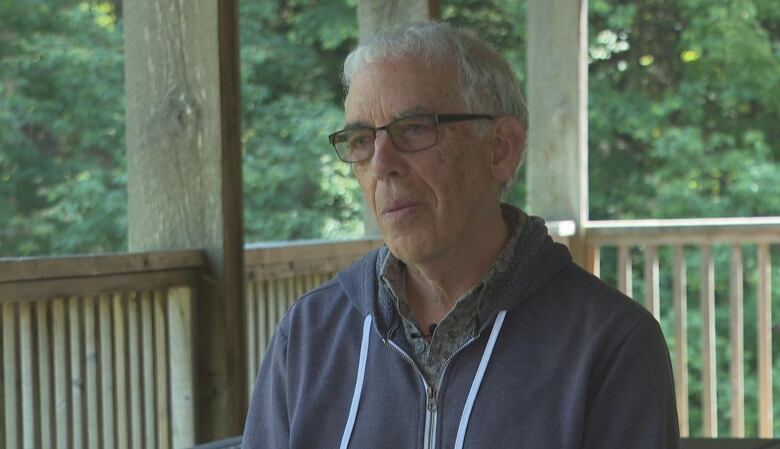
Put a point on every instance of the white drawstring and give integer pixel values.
(464, 418)
(358, 384)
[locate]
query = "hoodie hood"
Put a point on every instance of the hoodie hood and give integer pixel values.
(535, 260)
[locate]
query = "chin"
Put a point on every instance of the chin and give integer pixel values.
(410, 249)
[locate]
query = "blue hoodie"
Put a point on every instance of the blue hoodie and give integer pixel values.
(566, 362)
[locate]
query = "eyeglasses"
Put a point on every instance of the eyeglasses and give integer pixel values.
(408, 134)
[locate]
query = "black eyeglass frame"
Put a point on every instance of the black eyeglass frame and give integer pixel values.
(437, 119)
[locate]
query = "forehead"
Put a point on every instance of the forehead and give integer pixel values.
(384, 90)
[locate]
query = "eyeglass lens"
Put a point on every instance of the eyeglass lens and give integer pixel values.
(408, 134)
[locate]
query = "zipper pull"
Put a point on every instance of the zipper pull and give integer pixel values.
(431, 400)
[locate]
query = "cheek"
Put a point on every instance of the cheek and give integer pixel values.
(463, 177)
(366, 182)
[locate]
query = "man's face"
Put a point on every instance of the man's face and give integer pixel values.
(427, 203)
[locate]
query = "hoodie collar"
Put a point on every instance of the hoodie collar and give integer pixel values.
(535, 260)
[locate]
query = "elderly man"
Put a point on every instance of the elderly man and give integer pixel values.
(470, 328)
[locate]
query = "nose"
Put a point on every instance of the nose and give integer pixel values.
(387, 159)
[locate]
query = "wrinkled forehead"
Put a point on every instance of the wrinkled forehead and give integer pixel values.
(381, 91)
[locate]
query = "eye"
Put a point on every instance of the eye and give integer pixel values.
(360, 140)
(415, 127)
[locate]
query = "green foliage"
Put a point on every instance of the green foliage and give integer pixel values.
(62, 170)
(684, 106)
(294, 186)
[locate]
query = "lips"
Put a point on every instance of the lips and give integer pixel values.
(398, 206)
(398, 210)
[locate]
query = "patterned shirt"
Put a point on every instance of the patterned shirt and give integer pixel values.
(462, 323)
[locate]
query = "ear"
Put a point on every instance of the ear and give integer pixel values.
(508, 146)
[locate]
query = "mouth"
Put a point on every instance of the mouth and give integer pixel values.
(398, 210)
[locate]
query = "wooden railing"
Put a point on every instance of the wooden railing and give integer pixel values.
(97, 351)
(700, 241)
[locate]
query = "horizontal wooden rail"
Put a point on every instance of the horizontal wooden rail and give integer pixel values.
(275, 260)
(29, 279)
(695, 231)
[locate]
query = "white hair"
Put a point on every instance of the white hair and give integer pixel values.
(489, 86)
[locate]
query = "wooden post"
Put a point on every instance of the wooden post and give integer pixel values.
(377, 15)
(557, 102)
(184, 177)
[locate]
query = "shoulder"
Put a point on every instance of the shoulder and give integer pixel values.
(591, 298)
(576, 307)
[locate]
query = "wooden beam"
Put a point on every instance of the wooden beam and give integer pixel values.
(557, 103)
(377, 15)
(558, 117)
(699, 231)
(48, 268)
(434, 9)
(184, 177)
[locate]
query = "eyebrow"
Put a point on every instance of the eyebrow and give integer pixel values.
(417, 110)
(357, 125)
(414, 111)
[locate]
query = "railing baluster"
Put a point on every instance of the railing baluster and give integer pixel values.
(273, 293)
(120, 373)
(76, 372)
(147, 352)
(652, 282)
(311, 282)
(26, 354)
(90, 368)
(181, 360)
(594, 259)
(251, 333)
(764, 342)
(293, 288)
(624, 271)
(300, 288)
(681, 338)
(10, 377)
(737, 344)
(59, 340)
(262, 320)
(44, 376)
(161, 371)
(134, 365)
(709, 380)
(107, 356)
(285, 287)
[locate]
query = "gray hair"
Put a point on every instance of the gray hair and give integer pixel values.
(489, 84)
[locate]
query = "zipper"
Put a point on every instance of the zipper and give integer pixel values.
(431, 409)
(429, 440)
(429, 437)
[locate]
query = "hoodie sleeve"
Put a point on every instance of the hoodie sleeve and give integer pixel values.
(631, 400)
(267, 424)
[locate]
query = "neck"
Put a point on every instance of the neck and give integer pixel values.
(434, 286)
